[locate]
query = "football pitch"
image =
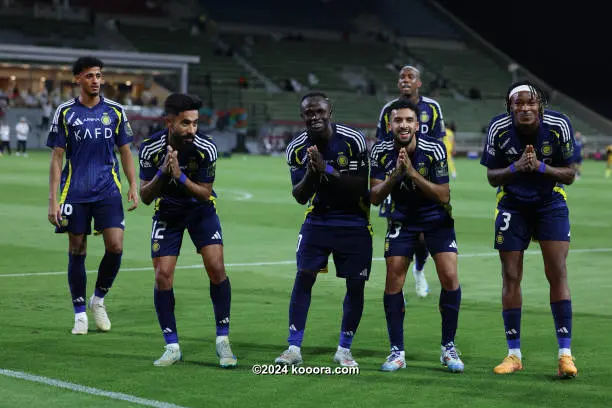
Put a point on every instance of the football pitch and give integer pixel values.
(42, 364)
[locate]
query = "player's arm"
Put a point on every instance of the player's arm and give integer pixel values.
(55, 172)
(202, 189)
(564, 175)
(150, 189)
(123, 139)
(306, 185)
(127, 163)
(380, 185)
(56, 140)
(151, 182)
(352, 183)
(438, 189)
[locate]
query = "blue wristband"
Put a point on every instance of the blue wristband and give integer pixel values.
(512, 168)
(329, 169)
(183, 178)
(159, 173)
(542, 167)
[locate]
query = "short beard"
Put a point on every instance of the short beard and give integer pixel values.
(92, 94)
(404, 144)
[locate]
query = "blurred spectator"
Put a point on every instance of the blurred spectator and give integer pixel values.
(313, 80)
(22, 129)
(47, 110)
(5, 140)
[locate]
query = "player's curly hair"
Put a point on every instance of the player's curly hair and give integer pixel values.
(535, 90)
(404, 104)
(178, 102)
(83, 63)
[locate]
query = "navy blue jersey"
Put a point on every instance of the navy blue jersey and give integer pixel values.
(197, 161)
(554, 145)
(89, 136)
(347, 153)
(431, 122)
(408, 203)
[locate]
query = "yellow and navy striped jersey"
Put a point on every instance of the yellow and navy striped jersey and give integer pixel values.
(89, 136)
(431, 121)
(347, 153)
(554, 145)
(408, 203)
(197, 160)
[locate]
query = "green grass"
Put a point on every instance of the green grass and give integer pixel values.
(36, 313)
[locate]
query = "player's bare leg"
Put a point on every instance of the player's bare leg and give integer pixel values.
(164, 306)
(450, 302)
(555, 255)
(107, 272)
(394, 304)
(512, 301)
(220, 294)
(77, 280)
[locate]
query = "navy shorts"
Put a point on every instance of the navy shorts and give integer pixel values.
(351, 249)
(515, 228)
(76, 217)
(402, 239)
(167, 232)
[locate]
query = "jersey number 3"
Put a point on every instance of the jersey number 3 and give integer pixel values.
(507, 216)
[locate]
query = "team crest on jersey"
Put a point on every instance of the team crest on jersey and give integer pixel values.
(442, 169)
(106, 120)
(568, 150)
(155, 246)
(546, 148)
(422, 169)
(424, 117)
(342, 160)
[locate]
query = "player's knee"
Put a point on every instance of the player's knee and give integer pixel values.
(394, 282)
(216, 274)
(77, 247)
(115, 247)
(164, 278)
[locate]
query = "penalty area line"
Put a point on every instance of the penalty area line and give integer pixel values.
(87, 390)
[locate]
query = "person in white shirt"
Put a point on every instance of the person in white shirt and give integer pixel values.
(23, 129)
(5, 131)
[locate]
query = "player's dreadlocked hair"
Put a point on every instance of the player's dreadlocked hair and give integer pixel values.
(404, 104)
(528, 85)
(83, 63)
(178, 102)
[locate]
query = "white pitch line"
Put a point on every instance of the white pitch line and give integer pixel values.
(87, 390)
(273, 263)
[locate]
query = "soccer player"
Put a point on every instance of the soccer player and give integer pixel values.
(431, 123)
(528, 155)
(449, 143)
(608, 160)
(177, 170)
(329, 169)
(578, 154)
(412, 168)
(87, 129)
